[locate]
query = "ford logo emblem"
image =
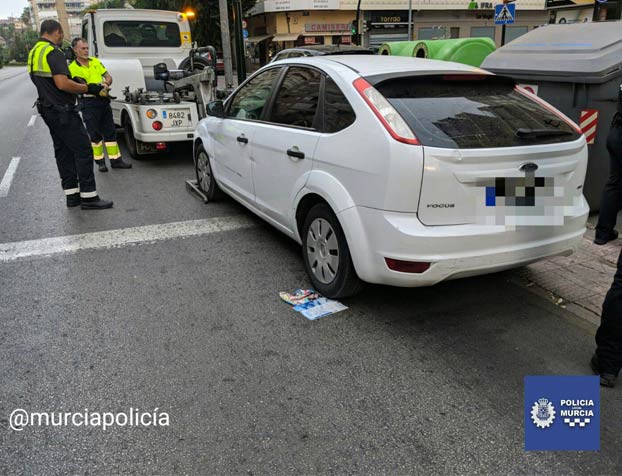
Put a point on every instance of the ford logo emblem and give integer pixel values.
(529, 167)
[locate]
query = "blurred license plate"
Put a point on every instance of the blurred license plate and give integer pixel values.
(176, 118)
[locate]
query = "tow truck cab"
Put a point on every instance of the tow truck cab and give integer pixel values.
(130, 42)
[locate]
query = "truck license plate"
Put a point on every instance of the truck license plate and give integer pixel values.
(176, 118)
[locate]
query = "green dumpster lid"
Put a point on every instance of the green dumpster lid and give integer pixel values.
(580, 52)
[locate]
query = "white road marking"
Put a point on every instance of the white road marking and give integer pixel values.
(5, 185)
(32, 121)
(121, 237)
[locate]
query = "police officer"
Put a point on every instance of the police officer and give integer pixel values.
(96, 110)
(611, 201)
(607, 361)
(57, 105)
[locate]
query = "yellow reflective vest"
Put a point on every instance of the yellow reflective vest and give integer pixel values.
(38, 59)
(93, 73)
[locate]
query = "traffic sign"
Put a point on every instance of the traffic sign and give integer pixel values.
(245, 33)
(505, 13)
(244, 24)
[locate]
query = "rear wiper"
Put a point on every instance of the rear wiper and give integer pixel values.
(532, 133)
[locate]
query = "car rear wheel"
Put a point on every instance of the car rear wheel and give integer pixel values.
(326, 254)
(205, 178)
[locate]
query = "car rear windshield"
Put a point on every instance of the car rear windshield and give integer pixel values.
(472, 112)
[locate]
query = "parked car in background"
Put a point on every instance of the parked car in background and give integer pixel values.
(397, 171)
(321, 50)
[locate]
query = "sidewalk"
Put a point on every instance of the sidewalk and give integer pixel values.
(578, 282)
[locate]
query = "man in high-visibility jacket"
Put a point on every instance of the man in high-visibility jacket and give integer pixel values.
(57, 105)
(96, 110)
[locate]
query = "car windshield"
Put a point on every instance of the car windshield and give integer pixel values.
(134, 34)
(472, 111)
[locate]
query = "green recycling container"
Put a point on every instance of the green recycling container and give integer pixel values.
(471, 51)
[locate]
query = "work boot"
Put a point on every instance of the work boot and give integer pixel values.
(73, 200)
(95, 203)
(606, 380)
(119, 164)
(605, 237)
(101, 164)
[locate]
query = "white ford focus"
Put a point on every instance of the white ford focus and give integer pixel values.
(397, 171)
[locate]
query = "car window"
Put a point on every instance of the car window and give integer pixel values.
(338, 113)
(249, 101)
(472, 111)
(297, 100)
(121, 33)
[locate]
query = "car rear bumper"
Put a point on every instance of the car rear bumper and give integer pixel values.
(164, 136)
(454, 251)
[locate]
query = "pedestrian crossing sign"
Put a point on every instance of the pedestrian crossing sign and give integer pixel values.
(505, 13)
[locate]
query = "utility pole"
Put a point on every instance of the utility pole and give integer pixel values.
(410, 20)
(62, 17)
(226, 42)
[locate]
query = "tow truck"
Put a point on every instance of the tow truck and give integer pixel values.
(161, 80)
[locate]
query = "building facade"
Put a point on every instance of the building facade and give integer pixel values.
(277, 24)
(46, 9)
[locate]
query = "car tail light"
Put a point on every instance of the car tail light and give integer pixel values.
(160, 146)
(416, 267)
(157, 125)
(549, 108)
(151, 113)
(389, 117)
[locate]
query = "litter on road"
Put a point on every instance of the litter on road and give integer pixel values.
(311, 304)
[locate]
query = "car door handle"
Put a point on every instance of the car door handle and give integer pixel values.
(242, 139)
(295, 153)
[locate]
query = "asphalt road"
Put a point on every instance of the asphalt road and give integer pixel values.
(188, 321)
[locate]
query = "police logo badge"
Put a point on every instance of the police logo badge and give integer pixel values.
(543, 413)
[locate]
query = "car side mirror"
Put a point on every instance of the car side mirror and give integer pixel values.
(216, 109)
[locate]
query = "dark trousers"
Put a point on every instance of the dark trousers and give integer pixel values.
(611, 200)
(609, 334)
(72, 148)
(99, 123)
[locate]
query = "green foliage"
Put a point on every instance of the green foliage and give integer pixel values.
(106, 4)
(18, 43)
(206, 26)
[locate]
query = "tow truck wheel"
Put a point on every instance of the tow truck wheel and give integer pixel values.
(205, 176)
(130, 140)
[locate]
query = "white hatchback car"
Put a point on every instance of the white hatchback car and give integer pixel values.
(397, 171)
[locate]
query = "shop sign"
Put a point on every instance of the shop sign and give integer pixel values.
(289, 5)
(322, 27)
(389, 17)
(567, 3)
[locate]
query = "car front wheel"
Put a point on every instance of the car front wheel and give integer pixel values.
(205, 177)
(326, 254)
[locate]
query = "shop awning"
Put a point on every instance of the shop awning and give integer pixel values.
(257, 39)
(289, 37)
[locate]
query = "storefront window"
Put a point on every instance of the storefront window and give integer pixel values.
(513, 32)
(483, 32)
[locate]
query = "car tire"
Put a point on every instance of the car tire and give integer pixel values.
(200, 64)
(128, 135)
(326, 254)
(205, 177)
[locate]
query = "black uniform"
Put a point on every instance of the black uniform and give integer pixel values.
(72, 146)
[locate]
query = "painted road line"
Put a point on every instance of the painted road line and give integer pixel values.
(121, 237)
(32, 121)
(5, 185)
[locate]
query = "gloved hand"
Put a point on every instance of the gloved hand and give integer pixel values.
(94, 89)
